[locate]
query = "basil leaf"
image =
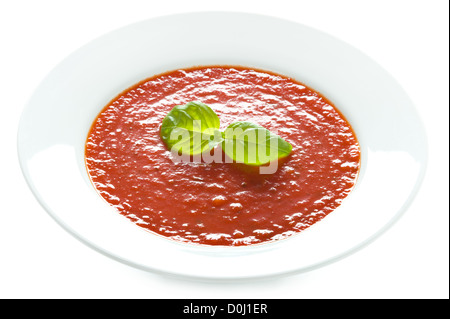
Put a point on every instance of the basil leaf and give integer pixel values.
(191, 129)
(251, 144)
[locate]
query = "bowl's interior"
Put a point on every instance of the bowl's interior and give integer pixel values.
(56, 121)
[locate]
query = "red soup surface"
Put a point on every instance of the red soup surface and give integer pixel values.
(220, 203)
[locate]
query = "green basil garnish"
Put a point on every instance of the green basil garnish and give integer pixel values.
(193, 128)
(251, 144)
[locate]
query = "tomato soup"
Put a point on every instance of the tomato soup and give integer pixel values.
(222, 203)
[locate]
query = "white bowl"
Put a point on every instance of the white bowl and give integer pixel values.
(56, 121)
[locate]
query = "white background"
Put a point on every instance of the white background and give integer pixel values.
(38, 259)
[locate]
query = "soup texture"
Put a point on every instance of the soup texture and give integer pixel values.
(222, 203)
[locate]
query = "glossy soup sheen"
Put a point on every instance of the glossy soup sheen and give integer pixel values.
(222, 203)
